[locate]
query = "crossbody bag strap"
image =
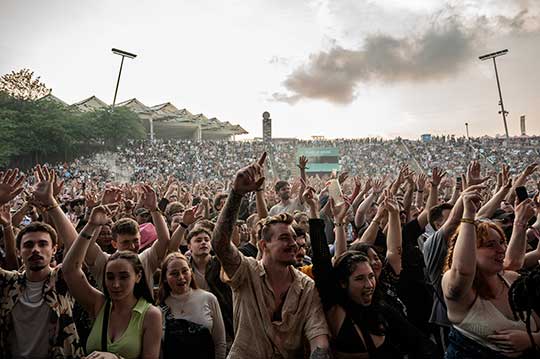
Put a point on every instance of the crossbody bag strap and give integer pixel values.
(105, 326)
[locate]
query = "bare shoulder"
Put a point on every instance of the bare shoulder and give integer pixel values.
(335, 317)
(152, 316)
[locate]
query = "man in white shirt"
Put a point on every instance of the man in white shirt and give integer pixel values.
(283, 191)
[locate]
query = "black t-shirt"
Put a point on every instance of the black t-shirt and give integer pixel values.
(249, 250)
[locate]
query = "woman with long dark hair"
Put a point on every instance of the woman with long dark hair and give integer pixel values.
(193, 322)
(125, 323)
(362, 325)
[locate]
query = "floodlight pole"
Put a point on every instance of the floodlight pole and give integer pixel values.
(123, 54)
(501, 103)
(500, 98)
(467, 129)
(117, 83)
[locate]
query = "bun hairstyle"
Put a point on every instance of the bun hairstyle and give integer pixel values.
(524, 298)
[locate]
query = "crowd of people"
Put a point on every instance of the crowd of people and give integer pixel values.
(191, 160)
(230, 249)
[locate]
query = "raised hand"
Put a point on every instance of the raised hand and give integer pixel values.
(421, 181)
(111, 195)
(91, 199)
(5, 215)
(302, 162)
(524, 211)
(190, 215)
(378, 186)
(101, 215)
(530, 169)
(43, 194)
(506, 180)
(471, 199)
(357, 184)
(343, 177)
(474, 174)
(149, 198)
(250, 178)
(390, 203)
(311, 198)
(437, 175)
(339, 212)
(10, 185)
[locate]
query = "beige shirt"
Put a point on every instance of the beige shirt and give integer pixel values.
(253, 304)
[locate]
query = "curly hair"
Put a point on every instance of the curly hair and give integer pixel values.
(482, 234)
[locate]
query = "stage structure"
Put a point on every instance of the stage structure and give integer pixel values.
(165, 121)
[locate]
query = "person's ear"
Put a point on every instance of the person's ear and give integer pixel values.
(262, 245)
(114, 244)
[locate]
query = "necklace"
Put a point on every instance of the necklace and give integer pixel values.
(180, 300)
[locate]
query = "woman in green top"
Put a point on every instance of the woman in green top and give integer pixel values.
(126, 324)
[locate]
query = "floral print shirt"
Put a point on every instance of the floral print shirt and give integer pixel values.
(63, 340)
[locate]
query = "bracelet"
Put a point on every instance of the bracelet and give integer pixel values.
(468, 220)
(51, 207)
(156, 210)
(340, 224)
(520, 224)
(183, 225)
(420, 191)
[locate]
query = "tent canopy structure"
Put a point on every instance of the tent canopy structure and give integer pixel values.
(167, 120)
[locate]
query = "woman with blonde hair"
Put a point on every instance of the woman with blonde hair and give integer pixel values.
(476, 284)
(193, 324)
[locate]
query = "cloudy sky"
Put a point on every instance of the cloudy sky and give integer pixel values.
(337, 68)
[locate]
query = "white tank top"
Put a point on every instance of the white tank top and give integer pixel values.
(484, 319)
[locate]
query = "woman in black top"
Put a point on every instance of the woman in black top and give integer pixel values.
(361, 325)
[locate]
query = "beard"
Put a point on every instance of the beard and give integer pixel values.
(36, 267)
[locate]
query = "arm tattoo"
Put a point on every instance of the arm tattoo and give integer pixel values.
(221, 237)
(320, 353)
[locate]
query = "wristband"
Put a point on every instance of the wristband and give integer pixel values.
(85, 235)
(340, 224)
(420, 191)
(469, 221)
(520, 224)
(183, 225)
(51, 207)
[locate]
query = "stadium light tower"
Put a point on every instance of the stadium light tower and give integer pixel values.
(494, 55)
(467, 129)
(124, 54)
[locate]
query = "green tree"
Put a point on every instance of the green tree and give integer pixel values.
(21, 85)
(115, 128)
